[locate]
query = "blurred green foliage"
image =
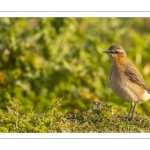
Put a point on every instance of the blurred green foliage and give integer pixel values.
(44, 59)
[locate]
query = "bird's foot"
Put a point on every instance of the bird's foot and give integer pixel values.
(128, 118)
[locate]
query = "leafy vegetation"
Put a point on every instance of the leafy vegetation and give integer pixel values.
(47, 59)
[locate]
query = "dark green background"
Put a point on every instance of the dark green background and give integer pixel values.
(45, 59)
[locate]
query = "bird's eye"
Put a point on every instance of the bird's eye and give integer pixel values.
(117, 52)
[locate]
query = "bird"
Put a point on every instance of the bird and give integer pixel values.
(125, 80)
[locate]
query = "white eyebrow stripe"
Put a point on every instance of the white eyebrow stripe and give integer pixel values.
(119, 50)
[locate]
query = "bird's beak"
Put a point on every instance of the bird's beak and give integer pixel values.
(106, 51)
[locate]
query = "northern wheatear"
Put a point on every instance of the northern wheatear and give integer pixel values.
(125, 80)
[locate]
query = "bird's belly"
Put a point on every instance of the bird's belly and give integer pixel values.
(127, 90)
(122, 91)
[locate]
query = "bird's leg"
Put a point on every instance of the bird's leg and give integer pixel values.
(131, 112)
(134, 104)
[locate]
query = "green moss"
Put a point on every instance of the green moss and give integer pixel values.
(55, 120)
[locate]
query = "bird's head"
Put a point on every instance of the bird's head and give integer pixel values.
(116, 53)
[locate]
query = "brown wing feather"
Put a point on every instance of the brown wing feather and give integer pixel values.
(134, 76)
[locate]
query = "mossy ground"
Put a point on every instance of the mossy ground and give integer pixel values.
(103, 119)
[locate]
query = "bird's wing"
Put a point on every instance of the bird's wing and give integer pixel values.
(134, 76)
